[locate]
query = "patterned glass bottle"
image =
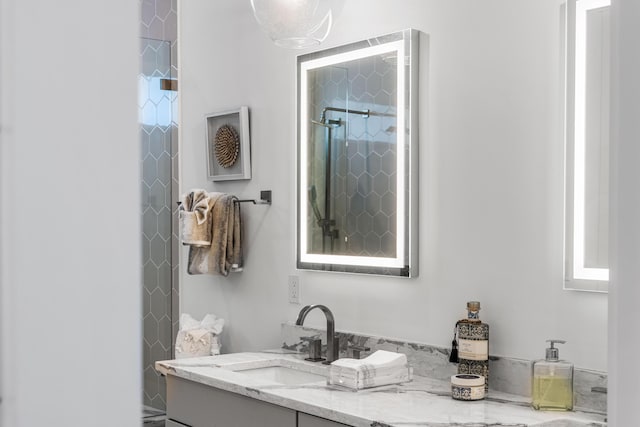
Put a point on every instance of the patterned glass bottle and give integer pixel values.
(473, 344)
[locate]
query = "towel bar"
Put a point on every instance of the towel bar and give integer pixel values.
(265, 199)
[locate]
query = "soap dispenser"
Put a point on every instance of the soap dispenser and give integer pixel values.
(552, 382)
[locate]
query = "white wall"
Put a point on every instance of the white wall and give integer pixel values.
(491, 177)
(69, 210)
(624, 295)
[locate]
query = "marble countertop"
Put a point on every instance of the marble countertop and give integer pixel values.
(421, 402)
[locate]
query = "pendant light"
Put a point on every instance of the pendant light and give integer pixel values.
(295, 24)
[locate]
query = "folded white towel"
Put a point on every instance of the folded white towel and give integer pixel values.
(399, 375)
(379, 360)
(380, 368)
(366, 371)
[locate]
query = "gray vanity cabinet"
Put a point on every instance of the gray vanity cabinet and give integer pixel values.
(171, 423)
(306, 420)
(193, 404)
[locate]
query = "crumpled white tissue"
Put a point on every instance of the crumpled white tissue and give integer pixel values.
(198, 338)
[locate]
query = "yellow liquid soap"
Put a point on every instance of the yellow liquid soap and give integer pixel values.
(552, 393)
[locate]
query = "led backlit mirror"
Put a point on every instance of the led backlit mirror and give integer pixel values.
(357, 154)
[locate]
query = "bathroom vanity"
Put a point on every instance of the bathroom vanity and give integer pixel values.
(191, 403)
(279, 388)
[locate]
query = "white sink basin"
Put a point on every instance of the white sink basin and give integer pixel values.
(283, 375)
(277, 372)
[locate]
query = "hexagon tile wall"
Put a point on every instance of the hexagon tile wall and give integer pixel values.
(363, 182)
(158, 139)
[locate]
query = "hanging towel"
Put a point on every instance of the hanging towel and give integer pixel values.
(225, 252)
(195, 218)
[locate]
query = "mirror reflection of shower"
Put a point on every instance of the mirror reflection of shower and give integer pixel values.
(351, 186)
(357, 179)
(326, 223)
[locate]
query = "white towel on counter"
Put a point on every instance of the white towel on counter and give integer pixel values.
(367, 371)
(358, 383)
(377, 362)
(380, 368)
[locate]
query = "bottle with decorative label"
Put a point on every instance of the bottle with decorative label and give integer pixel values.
(473, 344)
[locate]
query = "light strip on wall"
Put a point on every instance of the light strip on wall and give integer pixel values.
(579, 171)
(304, 155)
(401, 146)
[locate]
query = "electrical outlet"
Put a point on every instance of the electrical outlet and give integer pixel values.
(294, 289)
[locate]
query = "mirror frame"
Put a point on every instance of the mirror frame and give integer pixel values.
(405, 264)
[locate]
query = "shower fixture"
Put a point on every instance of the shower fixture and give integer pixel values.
(364, 113)
(328, 123)
(326, 223)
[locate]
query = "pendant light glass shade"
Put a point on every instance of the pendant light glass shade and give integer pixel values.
(294, 24)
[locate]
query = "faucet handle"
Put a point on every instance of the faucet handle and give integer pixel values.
(356, 350)
(315, 349)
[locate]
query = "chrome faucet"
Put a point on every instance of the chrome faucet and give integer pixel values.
(332, 348)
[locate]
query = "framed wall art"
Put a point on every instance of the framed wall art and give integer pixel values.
(228, 145)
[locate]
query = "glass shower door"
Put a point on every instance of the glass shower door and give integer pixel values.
(155, 118)
(326, 219)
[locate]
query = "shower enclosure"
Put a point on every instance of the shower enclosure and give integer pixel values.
(159, 294)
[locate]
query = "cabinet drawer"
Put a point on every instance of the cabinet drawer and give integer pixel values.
(306, 420)
(198, 405)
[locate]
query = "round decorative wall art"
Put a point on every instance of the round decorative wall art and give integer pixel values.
(227, 146)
